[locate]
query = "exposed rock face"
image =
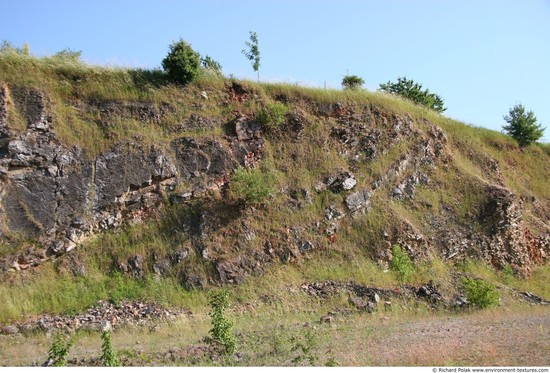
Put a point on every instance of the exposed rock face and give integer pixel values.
(60, 195)
(57, 195)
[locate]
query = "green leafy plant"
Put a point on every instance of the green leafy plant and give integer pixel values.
(480, 293)
(221, 333)
(251, 185)
(253, 52)
(182, 64)
(413, 91)
(305, 348)
(108, 354)
(57, 354)
(401, 263)
(211, 65)
(522, 126)
(352, 82)
(68, 54)
(272, 115)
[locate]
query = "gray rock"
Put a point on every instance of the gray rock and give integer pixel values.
(357, 200)
(136, 267)
(349, 183)
(306, 246)
(9, 329)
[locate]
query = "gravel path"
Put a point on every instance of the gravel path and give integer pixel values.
(477, 339)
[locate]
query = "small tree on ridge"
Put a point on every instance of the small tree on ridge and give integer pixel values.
(352, 82)
(253, 54)
(523, 126)
(182, 64)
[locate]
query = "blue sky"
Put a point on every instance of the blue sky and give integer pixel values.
(482, 57)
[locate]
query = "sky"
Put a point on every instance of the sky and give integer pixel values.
(481, 57)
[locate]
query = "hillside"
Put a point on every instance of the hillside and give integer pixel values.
(116, 184)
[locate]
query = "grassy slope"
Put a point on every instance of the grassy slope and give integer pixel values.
(68, 84)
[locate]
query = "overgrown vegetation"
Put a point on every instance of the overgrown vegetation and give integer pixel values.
(401, 263)
(108, 354)
(413, 91)
(57, 354)
(221, 333)
(480, 293)
(252, 185)
(272, 115)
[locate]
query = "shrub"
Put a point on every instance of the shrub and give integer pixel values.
(253, 186)
(221, 333)
(352, 82)
(523, 126)
(108, 354)
(305, 348)
(480, 293)
(57, 354)
(182, 64)
(413, 91)
(401, 263)
(68, 55)
(211, 65)
(272, 116)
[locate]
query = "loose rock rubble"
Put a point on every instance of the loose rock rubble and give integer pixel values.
(123, 313)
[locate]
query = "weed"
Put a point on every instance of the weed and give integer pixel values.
(108, 354)
(221, 333)
(253, 186)
(272, 115)
(57, 354)
(480, 293)
(305, 348)
(401, 263)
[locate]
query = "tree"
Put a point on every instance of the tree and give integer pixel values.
(253, 53)
(212, 65)
(413, 91)
(522, 126)
(352, 82)
(182, 64)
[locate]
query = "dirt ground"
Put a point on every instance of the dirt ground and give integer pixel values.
(501, 337)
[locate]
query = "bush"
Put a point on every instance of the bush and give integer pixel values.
(253, 186)
(480, 293)
(221, 327)
(182, 64)
(401, 263)
(211, 65)
(523, 126)
(272, 115)
(352, 82)
(413, 91)
(108, 354)
(57, 354)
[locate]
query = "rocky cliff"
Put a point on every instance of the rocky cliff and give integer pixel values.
(351, 173)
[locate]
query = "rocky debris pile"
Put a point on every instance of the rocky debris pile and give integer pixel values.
(429, 292)
(122, 313)
(534, 299)
(365, 298)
